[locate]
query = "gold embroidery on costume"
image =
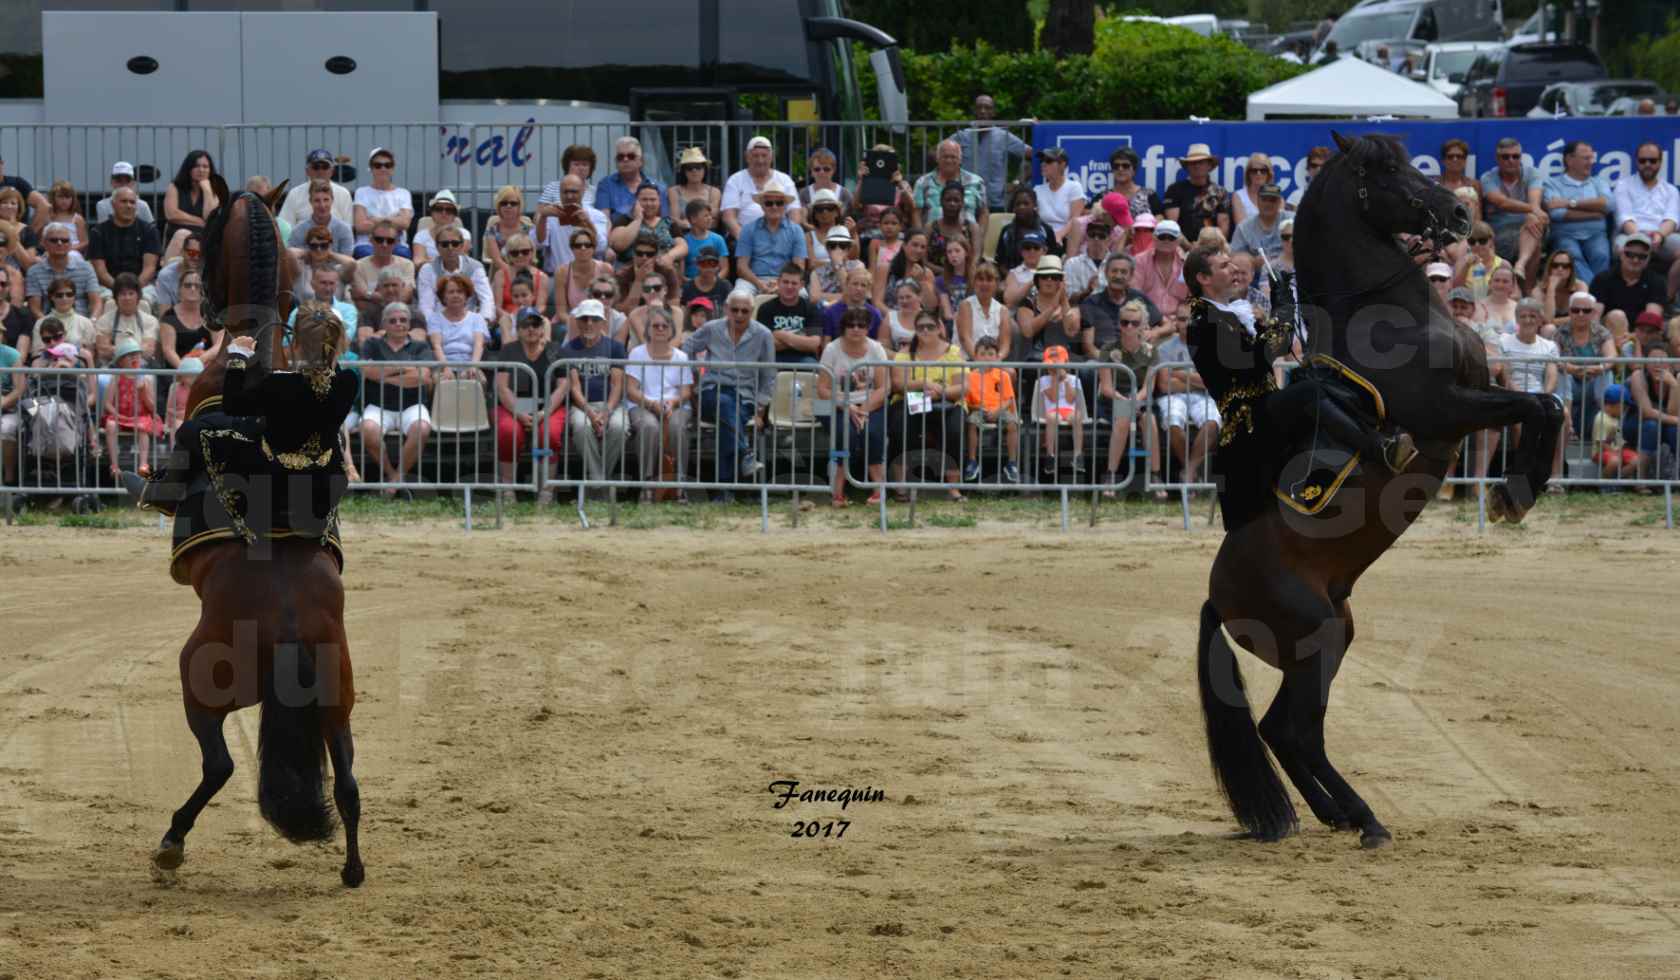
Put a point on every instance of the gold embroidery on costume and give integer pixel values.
(320, 382)
(310, 455)
(1236, 407)
(229, 498)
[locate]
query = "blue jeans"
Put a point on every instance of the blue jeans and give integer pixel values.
(366, 249)
(1590, 250)
(1645, 434)
(722, 407)
(869, 441)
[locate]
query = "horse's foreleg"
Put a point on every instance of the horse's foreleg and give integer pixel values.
(206, 725)
(1541, 416)
(341, 747)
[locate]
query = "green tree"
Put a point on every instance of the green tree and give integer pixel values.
(1070, 27)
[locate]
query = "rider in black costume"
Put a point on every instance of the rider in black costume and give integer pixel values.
(1233, 353)
(276, 435)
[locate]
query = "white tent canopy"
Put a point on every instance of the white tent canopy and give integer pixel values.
(1349, 88)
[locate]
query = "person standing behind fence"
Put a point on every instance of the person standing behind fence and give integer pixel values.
(520, 413)
(660, 384)
(597, 423)
(735, 398)
(987, 149)
(862, 405)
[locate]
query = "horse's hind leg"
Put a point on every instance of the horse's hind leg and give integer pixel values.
(206, 725)
(1280, 736)
(341, 747)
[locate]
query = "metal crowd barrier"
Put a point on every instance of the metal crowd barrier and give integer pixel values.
(776, 418)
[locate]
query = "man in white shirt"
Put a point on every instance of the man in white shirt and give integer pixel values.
(1061, 198)
(453, 258)
(122, 175)
(1645, 202)
(295, 209)
(741, 191)
(555, 233)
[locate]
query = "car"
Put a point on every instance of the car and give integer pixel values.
(1444, 65)
(1593, 98)
(1420, 21)
(1508, 81)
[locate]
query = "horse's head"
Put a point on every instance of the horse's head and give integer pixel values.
(1392, 197)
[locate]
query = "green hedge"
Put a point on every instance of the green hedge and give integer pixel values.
(1137, 71)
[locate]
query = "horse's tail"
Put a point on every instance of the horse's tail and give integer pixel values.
(1240, 763)
(291, 749)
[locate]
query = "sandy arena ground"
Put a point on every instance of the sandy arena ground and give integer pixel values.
(566, 738)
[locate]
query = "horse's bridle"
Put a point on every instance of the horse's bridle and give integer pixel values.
(1437, 235)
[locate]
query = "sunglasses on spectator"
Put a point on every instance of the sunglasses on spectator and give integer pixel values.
(58, 241)
(320, 165)
(1259, 170)
(1288, 238)
(448, 242)
(1454, 155)
(64, 294)
(446, 208)
(1480, 240)
(507, 204)
(1580, 309)
(50, 339)
(857, 326)
(653, 287)
(582, 243)
(774, 204)
(1032, 246)
(694, 166)
(628, 156)
(643, 253)
(384, 240)
(1565, 264)
(1440, 278)
(600, 294)
(517, 252)
(743, 310)
(319, 246)
(1510, 156)
(1130, 323)
(1636, 256)
(1052, 276)
(1650, 160)
(382, 164)
(927, 326)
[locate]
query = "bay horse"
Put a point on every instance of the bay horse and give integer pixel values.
(271, 622)
(1280, 583)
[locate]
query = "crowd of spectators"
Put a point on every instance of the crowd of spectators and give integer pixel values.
(963, 265)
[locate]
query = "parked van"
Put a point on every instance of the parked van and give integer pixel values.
(1421, 21)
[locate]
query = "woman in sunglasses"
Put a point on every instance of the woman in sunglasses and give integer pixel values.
(645, 265)
(691, 185)
(655, 298)
(316, 251)
(519, 256)
(509, 221)
(445, 216)
(583, 269)
(1557, 282)
(1245, 201)
(381, 200)
(78, 329)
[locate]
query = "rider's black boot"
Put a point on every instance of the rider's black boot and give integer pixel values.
(164, 489)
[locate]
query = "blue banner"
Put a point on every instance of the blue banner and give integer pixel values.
(1160, 144)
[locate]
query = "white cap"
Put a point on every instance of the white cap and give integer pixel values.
(758, 141)
(590, 307)
(380, 151)
(1438, 269)
(839, 233)
(122, 168)
(1168, 227)
(1582, 297)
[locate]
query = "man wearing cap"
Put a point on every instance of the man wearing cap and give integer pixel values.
(732, 397)
(1262, 232)
(554, 232)
(1061, 198)
(1084, 271)
(772, 241)
(709, 282)
(124, 242)
(616, 193)
(948, 158)
(1196, 200)
(1648, 203)
(599, 422)
(122, 175)
(1160, 276)
(988, 149)
(319, 166)
(741, 206)
(1512, 207)
(1024, 202)
(1440, 277)
(1629, 287)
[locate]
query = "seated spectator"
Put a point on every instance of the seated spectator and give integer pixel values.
(735, 399)
(521, 413)
(59, 264)
(861, 407)
(458, 334)
(509, 221)
(950, 225)
(1652, 415)
(130, 406)
(445, 218)
(258, 184)
(124, 320)
(1627, 289)
(926, 411)
(1616, 459)
(122, 175)
(951, 282)
(1196, 201)
(823, 170)
(1248, 273)
(1557, 286)
(1440, 276)
(691, 188)
(822, 211)
(1184, 400)
(321, 216)
(909, 264)
(1577, 204)
(1120, 395)
(381, 201)
(29, 199)
(1530, 359)
(1513, 206)
(700, 235)
(317, 252)
(1024, 203)
(707, 283)
(696, 314)
(989, 395)
(1101, 314)
(1647, 203)
(166, 288)
(508, 320)
(190, 199)
(185, 333)
(794, 321)
(325, 287)
(1122, 168)
(617, 192)
(770, 242)
(17, 242)
(742, 202)
(577, 160)
(1084, 271)
(394, 395)
(1060, 401)
(1317, 157)
(78, 330)
(897, 328)
(598, 424)
(452, 259)
(647, 224)
(1046, 318)
(383, 239)
(567, 223)
(829, 278)
(643, 266)
(948, 169)
(1455, 159)
(1159, 275)
(883, 247)
(318, 165)
(660, 385)
(124, 242)
(61, 208)
(655, 293)
(176, 400)
(11, 393)
(1476, 266)
(518, 256)
(1018, 281)
(1583, 336)
(1245, 200)
(1262, 232)
(984, 316)
(853, 296)
(1498, 310)
(16, 325)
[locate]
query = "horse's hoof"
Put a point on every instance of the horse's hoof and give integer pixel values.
(1376, 838)
(168, 856)
(353, 875)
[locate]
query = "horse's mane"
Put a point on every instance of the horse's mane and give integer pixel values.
(264, 258)
(1375, 148)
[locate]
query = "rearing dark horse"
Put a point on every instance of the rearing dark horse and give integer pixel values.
(271, 622)
(1280, 584)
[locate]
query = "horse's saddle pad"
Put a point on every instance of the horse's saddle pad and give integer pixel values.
(1317, 464)
(202, 519)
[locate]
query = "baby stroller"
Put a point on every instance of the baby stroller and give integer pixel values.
(55, 449)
